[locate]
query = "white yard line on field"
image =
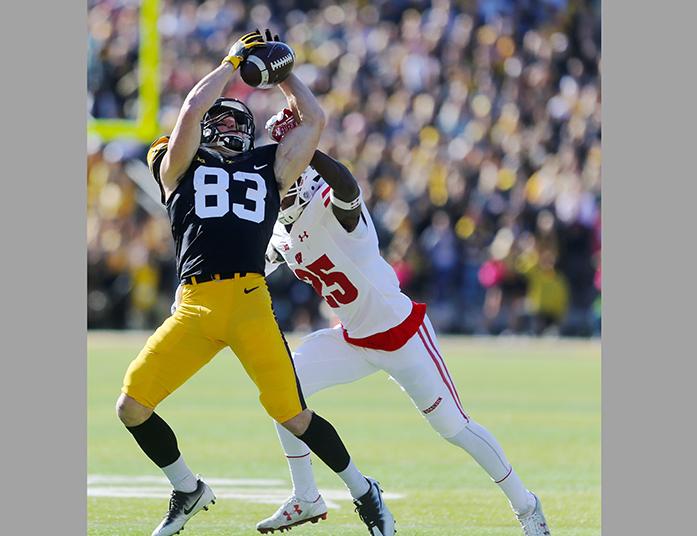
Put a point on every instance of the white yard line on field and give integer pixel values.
(255, 490)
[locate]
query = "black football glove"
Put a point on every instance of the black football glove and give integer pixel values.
(268, 36)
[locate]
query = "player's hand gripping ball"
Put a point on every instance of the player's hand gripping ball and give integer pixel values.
(280, 124)
(268, 64)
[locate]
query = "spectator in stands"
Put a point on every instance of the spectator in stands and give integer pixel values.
(474, 132)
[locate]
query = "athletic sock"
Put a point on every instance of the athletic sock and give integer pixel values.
(300, 465)
(522, 501)
(180, 476)
(158, 442)
(325, 442)
(484, 448)
(355, 481)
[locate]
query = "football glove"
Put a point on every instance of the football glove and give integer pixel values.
(280, 124)
(273, 259)
(268, 36)
(240, 50)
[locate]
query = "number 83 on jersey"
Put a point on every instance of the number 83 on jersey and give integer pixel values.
(212, 194)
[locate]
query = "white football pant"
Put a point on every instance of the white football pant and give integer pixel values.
(324, 359)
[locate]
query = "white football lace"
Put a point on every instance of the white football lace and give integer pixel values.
(281, 61)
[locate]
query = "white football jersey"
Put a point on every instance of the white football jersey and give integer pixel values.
(346, 269)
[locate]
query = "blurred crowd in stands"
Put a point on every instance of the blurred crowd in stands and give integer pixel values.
(472, 127)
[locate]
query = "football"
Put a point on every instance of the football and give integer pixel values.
(268, 65)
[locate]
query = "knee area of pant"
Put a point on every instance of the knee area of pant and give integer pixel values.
(454, 436)
(298, 425)
(131, 412)
(447, 420)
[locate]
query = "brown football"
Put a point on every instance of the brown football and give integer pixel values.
(268, 64)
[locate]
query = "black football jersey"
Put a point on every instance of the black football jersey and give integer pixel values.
(223, 210)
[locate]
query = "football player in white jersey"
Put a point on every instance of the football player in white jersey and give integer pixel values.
(325, 235)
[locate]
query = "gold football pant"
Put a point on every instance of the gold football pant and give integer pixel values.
(230, 312)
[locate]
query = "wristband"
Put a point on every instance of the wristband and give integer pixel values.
(345, 205)
(234, 60)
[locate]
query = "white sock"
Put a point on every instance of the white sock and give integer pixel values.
(522, 501)
(484, 448)
(354, 480)
(300, 465)
(181, 476)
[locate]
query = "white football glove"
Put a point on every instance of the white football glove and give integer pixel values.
(273, 260)
(177, 299)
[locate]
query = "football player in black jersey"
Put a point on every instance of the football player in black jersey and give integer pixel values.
(222, 196)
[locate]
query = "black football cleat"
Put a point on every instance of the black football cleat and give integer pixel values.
(374, 512)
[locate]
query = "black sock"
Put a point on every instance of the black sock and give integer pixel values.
(157, 440)
(325, 442)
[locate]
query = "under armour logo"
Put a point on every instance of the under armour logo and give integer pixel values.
(285, 246)
(303, 236)
(296, 510)
(299, 257)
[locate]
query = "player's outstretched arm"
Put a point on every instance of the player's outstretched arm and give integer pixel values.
(345, 195)
(298, 146)
(186, 135)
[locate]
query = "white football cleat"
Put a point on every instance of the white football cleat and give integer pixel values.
(293, 512)
(534, 522)
(182, 507)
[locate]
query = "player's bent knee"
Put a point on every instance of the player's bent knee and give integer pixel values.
(298, 424)
(130, 411)
(447, 420)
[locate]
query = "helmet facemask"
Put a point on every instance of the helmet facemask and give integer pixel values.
(240, 139)
(303, 189)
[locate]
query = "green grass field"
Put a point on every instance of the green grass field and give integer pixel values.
(540, 398)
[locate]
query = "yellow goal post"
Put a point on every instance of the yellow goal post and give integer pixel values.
(146, 126)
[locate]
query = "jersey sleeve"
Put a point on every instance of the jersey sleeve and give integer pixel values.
(267, 153)
(155, 155)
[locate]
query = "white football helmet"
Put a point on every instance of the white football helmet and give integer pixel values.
(302, 191)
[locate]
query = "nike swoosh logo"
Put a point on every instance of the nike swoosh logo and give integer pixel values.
(248, 290)
(260, 167)
(187, 512)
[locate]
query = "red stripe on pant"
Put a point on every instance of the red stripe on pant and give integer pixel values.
(442, 375)
(435, 349)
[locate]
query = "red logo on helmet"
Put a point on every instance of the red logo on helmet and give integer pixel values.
(299, 257)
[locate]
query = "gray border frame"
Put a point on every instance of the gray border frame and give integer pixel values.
(649, 266)
(648, 123)
(44, 268)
